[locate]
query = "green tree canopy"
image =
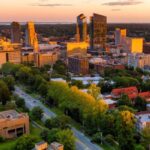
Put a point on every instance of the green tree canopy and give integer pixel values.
(4, 93)
(37, 113)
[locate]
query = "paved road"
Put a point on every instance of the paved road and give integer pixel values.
(82, 142)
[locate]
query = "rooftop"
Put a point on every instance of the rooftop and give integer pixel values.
(143, 116)
(10, 114)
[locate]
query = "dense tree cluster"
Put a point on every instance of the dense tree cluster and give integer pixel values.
(64, 137)
(86, 108)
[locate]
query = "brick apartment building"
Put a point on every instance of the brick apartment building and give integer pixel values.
(13, 124)
(78, 65)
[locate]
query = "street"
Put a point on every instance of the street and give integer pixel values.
(82, 142)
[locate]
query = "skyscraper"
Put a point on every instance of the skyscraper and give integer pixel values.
(15, 32)
(31, 36)
(81, 28)
(98, 31)
(120, 36)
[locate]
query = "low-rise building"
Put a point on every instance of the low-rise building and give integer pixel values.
(9, 52)
(44, 146)
(13, 124)
(48, 58)
(132, 92)
(78, 65)
(139, 60)
(111, 103)
(143, 120)
(134, 45)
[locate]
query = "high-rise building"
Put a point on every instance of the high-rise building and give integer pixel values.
(81, 28)
(31, 36)
(15, 32)
(98, 31)
(120, 36)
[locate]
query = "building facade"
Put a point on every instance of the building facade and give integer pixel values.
(98, 31)
(134, 45)
(15, 32)
(31, 36)
(120, 36)
(13, 124)
(10, 52)
(81, 28)
(78, 65)
(74, 48)
(139, 60)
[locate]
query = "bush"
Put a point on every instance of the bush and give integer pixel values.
(37, 113)
(1, 139)
(20, 102)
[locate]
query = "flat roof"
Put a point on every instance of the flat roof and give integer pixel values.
(10, 114)
(144, 117)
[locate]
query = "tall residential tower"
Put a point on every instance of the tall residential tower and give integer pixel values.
(98, 31)
(15, 32)
(81, 28)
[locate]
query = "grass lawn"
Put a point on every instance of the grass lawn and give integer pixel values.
(8, 145)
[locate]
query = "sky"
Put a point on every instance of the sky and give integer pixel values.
(126, 11)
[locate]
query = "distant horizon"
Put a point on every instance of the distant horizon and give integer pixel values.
(122, 11)
(44, 22)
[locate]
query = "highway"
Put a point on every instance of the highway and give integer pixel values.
(82, 142)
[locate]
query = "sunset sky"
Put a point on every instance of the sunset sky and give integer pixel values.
(67, 10)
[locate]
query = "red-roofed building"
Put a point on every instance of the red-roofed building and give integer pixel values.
(145, 95)
(132, 92)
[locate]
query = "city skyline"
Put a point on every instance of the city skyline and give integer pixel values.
(129, 11)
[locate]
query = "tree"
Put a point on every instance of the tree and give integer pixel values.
(43, 89)
(60, 67)
(10, 81)
(124, 100)
(139, 147)
(20, 102)
(4, 93)
(146, 137)
(140, 104)
(25, 142)
(37, 113)
(97, 137)
(44, 135)
(94, 91)
(38, 81)
(77, 83)
(10, 69)
(25, 75)
(50, 135)
(61, 122)
(106, 87)
(125, 81)
(125, 130)
(66, 138)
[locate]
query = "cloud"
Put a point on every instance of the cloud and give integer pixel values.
(116, 9)
(50, 5)
(123, 3)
